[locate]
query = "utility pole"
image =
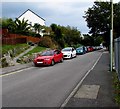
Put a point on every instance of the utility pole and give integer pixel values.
(111, 38)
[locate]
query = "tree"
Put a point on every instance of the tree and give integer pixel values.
(21, 27)
(7, 23)
(72, 36)
(57, 34)
(65, 35)
(117, 20)
(17, 26)
(98, 20)
(37, 27)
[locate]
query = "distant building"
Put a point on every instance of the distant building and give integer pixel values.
(32, 18)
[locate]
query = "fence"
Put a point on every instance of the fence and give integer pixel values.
(117, 55)
(15, 39)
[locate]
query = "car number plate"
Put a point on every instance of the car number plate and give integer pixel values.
(39, 62)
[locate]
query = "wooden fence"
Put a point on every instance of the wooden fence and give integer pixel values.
(17, 39)
(13, 41)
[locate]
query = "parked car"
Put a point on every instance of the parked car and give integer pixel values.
(89, 48)
(49, 57)
(81, 50)
(69, 52)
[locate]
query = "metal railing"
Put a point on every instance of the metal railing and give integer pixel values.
(117, 55)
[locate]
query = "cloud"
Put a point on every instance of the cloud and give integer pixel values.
(58, 1)
(61, 12)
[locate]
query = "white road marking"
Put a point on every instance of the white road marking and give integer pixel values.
(7, 74)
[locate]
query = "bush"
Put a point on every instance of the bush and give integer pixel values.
(30, 43)
(47, 42)
(116, 85)
(4, 62)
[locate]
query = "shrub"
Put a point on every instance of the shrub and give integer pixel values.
(4, 62)
(47, 42)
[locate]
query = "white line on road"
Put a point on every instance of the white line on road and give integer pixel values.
(7, 74)
(78, 85)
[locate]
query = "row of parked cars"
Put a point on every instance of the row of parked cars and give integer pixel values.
(50, 57)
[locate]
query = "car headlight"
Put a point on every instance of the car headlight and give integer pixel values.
(81, 50)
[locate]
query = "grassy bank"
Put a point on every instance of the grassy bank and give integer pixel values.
(36, 50)
(116, 85)
(6, 48)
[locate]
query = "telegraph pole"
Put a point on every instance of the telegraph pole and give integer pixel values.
(111, 38)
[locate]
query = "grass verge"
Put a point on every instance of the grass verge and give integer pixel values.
(116, 85)
(6, 48)
(36, 50)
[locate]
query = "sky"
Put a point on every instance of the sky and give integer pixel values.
(60, 12)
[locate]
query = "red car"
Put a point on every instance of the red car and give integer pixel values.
(49, 57)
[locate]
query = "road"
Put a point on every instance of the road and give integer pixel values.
(46, 86)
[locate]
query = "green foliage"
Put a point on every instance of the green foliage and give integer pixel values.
(65, 35)
(21, 27)
(76, 46)
(116, 85)
(46, 41)
(89, 40)
(58, 35)
(18, 47)
(36, 50)
(4, 62)
(7, 23)
(72, 36)
(116, 20)
(98, 20)
(18, 27)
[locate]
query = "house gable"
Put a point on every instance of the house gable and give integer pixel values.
(32, 18)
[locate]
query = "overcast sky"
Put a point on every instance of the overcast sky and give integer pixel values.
(61, 12)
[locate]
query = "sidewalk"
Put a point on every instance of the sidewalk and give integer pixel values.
(96, 91)
(15, 68)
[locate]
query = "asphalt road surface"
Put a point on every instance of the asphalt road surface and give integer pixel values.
(45, 86)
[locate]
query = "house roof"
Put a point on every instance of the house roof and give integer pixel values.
(33, 13)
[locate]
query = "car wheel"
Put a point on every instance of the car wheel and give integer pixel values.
(75, 55)
(52, 63)
(71, 56)
(35, 65)
(61, 60)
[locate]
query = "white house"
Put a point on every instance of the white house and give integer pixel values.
(32, 18)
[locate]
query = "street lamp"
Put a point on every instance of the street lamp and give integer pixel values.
(111, 38)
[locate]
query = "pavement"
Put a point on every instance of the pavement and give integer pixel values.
(17, 67)
(96, 91)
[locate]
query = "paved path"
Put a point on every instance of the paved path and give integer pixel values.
(99, 78)
(32, 47)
